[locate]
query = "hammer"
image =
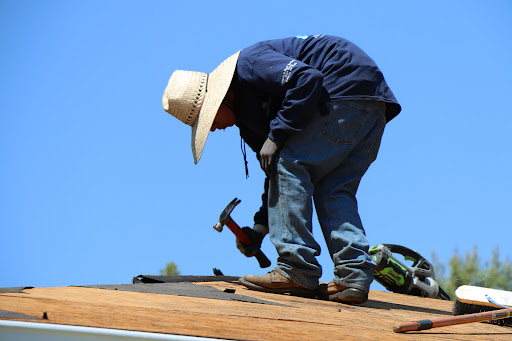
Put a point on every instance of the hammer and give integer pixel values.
(225, 219)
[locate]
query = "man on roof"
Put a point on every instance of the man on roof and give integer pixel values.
(313, 109)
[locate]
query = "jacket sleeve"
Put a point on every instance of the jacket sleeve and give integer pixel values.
(261, 217)
(265, 69)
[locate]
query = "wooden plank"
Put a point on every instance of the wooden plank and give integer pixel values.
(301, 318)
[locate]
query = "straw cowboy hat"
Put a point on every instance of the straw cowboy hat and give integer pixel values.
(195, 97)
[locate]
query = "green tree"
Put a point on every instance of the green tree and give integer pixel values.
(469, 269)
(171, 269)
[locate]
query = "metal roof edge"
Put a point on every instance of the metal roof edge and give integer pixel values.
(29, 331)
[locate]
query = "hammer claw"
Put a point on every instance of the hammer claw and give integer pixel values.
(225, 219)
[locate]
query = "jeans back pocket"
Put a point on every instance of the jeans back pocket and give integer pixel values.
(344, 121)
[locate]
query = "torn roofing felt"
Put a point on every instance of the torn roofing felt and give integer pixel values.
(7, 314)
(175, 279)
(183, 286)
(14, 290)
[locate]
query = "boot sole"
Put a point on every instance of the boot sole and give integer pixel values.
(303, 292)
(349, 295)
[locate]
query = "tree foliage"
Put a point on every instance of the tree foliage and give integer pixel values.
(171, 269)
(470, 270)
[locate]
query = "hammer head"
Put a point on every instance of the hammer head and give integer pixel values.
(225, 215)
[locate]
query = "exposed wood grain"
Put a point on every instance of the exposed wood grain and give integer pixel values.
(299, 319)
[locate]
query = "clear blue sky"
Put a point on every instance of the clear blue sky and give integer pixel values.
(98, 184)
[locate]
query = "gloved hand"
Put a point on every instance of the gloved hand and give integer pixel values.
(256, 236)
(267, 155)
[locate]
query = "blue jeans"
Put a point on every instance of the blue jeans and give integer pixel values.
(325, 162)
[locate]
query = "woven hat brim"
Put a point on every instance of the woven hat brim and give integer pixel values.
(218, 84)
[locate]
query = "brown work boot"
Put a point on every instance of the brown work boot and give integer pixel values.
(340, 293)
(276, 283)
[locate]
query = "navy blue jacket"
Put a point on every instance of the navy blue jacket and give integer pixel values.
(279, 84)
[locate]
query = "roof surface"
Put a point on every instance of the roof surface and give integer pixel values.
(223, 308)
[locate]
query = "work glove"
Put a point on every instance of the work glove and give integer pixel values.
(256, 236)
(268, 154)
